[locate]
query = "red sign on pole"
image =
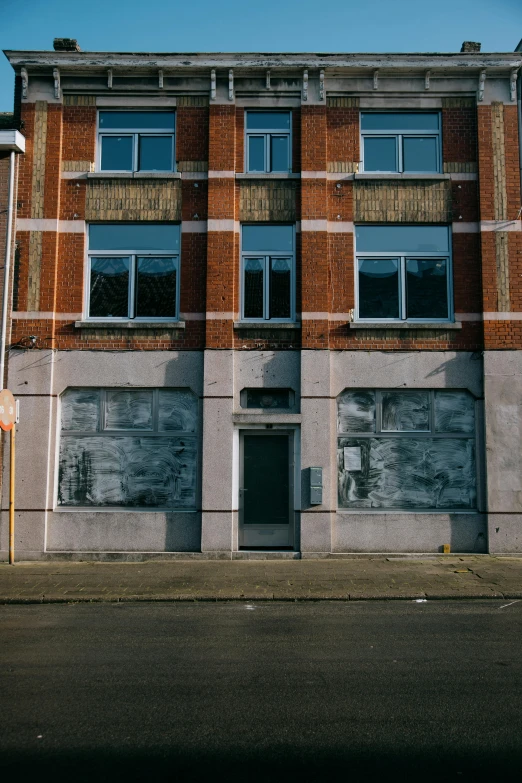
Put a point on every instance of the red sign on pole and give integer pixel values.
(7, 410)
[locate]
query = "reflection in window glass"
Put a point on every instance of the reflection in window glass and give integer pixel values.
(116, 153)
(155, 153)
(426, 288)
(279, 153)
(280, 288)
(134, 236)
(253, 287)
(454, 412)
(378, 288)
(420, 154)
(128, 410)
(380, 154)
(270, 238)
(156, 288)
(405, 411)
(406, 239)
(109, 288)
(256, 153)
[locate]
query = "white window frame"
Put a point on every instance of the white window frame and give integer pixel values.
(399, 135)
(267, 135)
(135, 134)
(267, 255)
(133, 255)
(402, 257)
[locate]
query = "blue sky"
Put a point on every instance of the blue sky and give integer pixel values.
(269, 26)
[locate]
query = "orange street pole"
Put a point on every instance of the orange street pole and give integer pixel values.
(12, 496)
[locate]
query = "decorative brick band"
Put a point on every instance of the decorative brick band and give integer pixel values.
(460, 168)
(79, 100)
(458, 103)
(34, 270)
(342, 167)
(133, 200)
(192, 165)
(343, 103)
(192, 100)
(502, 263)
(39, 149)
(77, 165)
(267, 200)
(499, 161)
(403, 202)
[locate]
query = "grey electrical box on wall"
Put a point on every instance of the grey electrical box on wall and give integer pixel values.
(316, 486)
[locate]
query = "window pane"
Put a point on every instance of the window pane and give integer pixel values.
(109, 288)
(419, 154)
(278, 238)
(379, 288)
(408, 239)
(356, 411)
(454, 412)
(253, 293)
(80, 409)
(279, 153)
(137, 120)
(178, 411)
(268, 120)
(155, 153)
(400, 121)
(405, 411)
(116, 153)
(128, 410)
(156, 288)
(280, 287)
(380, 154)
(426, 288)
(256, 153)
(134, 236)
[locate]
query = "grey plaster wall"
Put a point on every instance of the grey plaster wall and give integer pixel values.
(503, 420)
(37, 379)
(265, 369)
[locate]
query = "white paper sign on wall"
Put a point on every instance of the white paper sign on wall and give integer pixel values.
(352, 458)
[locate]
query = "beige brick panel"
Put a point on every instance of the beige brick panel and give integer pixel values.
(458, 103)
(343, 103)
(420, 201)
(39, 148)
(502, 259)
(192, 100)
(270, 200)
(79, 100)
(192, 165)
(460, 168)
(77, 165)
(499, 162)
(35, 266)
(117, 199)
(342, 167)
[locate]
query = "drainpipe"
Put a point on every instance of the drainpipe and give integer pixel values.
(7, 265)
(519, 101)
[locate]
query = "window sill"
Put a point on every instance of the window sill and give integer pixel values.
(439, 325)
(400, 175)
(239, 325)
(110, 324)
(268, 175)
(134, 175)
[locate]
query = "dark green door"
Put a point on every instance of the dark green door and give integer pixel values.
(266, 490)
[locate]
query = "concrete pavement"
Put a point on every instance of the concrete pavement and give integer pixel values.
(359, 578)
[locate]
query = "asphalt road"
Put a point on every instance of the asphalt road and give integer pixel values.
(267, 691)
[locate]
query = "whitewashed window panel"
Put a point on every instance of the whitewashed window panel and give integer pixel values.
(454, 412)
(405, 411)
(128, 410)
(356, 411)
(178, 411)
(81, 409)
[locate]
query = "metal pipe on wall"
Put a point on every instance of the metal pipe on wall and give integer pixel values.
(7, 265)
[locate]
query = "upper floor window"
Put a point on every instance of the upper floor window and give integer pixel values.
(268, 273)
(401, 142)
(133, 271)
(136, 141)
(268, 141)
(403, 273)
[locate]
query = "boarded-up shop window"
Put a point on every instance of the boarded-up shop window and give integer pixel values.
(411, 450)
(128, 448)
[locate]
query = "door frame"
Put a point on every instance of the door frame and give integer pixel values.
(294, 499)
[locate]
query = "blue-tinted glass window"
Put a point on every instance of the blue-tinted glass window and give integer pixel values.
(400, 121)
(137, 120)
(134, 236)
(268, 120)
(109, 288)
(267, 141)
(380, 154)
(379, 288)
(273, 238)
(420, 154)
(409, 239)
(136, 141)
(401, 142)
(117, 153)
(256, 153)
(155, 153)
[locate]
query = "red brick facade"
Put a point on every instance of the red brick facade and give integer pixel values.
(323, 136)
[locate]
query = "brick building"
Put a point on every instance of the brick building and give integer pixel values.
(267, 303)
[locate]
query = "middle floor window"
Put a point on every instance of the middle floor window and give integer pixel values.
(268, 273)
(133, 271)
(403, 273)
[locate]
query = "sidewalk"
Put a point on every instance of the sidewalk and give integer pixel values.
(372, 577)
